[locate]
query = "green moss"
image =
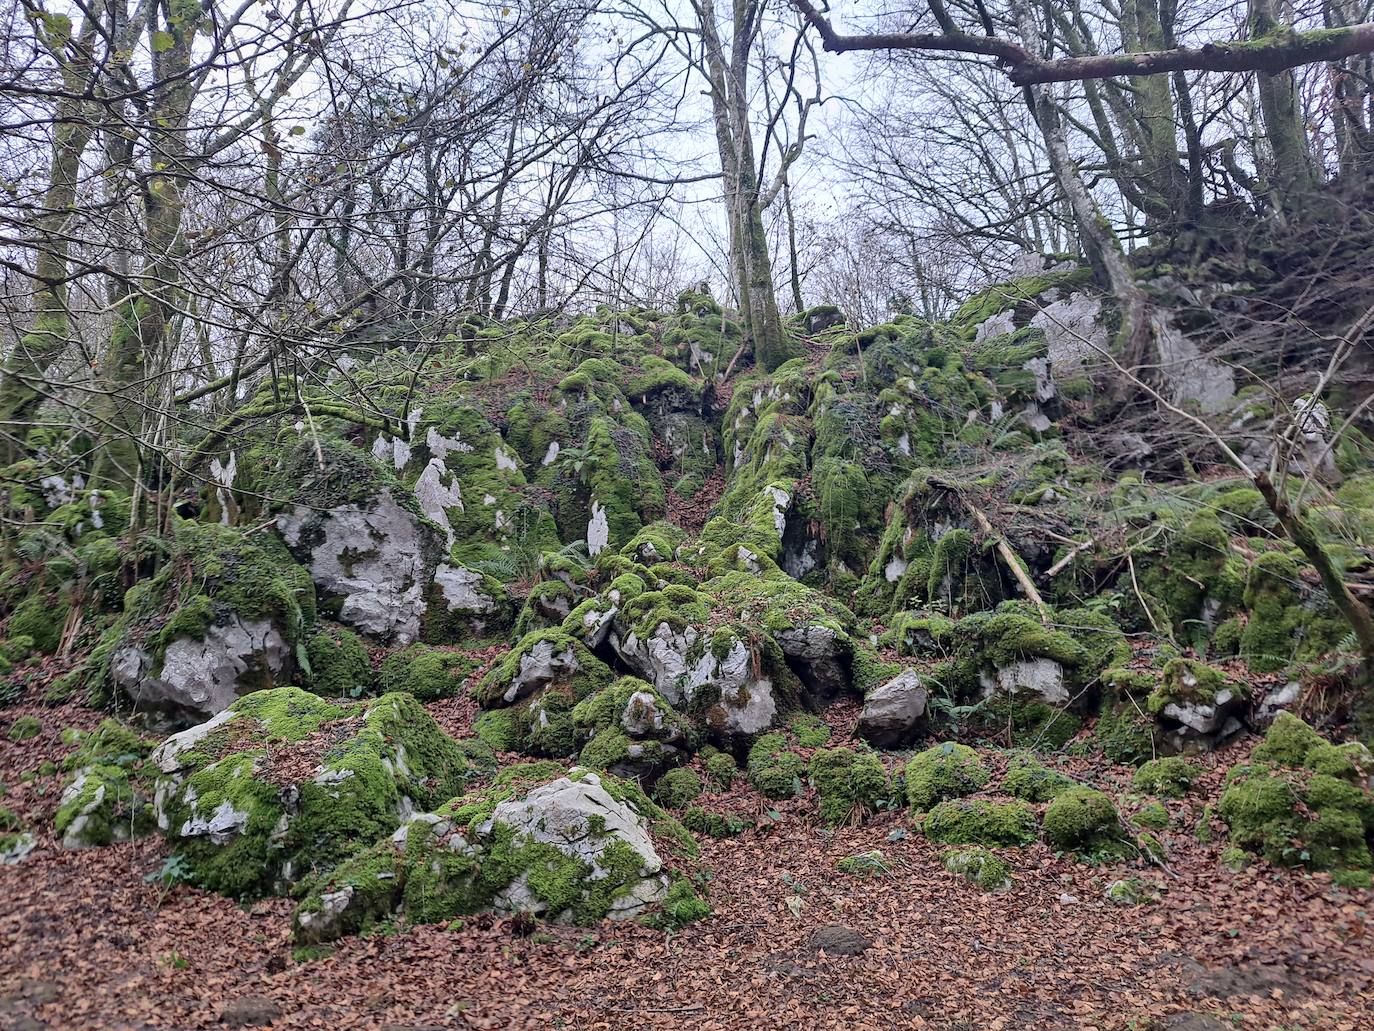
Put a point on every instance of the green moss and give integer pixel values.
(864, 864)
(339, 664)
(1297, 818)
(676, 789)
(680, 907)
(810, 731)
(1125, 733)
(700, 821)
(1029, 780)
(980, 822)
(1084, 821)
(774, 770)
(1032, 724)
(25, 728)
(943, 771)
(721, 770)
(39, 618)
(850, 784)
(1283, 626)
(426, 672)
(1170, 777)
(110, 744)
(374, 757)
(499, 729)
(1287, 741)
(1190, 682)
(103, 807)
(979, 867)
(1153, 815)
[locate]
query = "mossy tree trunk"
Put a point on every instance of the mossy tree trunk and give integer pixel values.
(1356, 613)
(1101, 246)
(48, 338)
(727, 74)
(1281, 108)
(142, 337)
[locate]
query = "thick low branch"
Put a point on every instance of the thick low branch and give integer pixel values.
(1273, 53)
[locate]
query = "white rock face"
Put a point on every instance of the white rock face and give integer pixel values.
(781, 502)
(540, 666)
(1190, 375)
(1072, 331)
(746, 705)
(660, 659)
(436, 496)
(204, 676)
(894, 570)
(598, 530)
(1000, 324)
(1042, 677)
(461, 588)
(379, 559)
(580, 819)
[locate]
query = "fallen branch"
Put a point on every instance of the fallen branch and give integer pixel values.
(1013, 560)
(1063, 562)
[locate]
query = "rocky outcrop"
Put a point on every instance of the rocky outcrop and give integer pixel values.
(374, 560)
(283, 782)
(200, 676)
(575, 849)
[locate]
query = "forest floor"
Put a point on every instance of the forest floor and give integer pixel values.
(90, 942)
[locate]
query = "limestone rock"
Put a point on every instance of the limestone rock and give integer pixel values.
(199, 677)
(377, 559)
(1041, 678)
(568, 849)
(893, 713)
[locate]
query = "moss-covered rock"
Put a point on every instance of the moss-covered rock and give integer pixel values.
(980, 868)
(1302, 801)
(977, 821)
(222, 618)
(576, 848)
(1084, 821)
(339, 664)
(722, 769)
(236, 808)
(850, 784)
(774, 770)
(101, 806)
(677, 789)
(1030, 781)
(944, 771)
(427, 672)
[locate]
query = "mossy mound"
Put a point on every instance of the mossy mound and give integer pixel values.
(1302, 801)
(427, 672)
(977, 821)
(677, 789)
(283, 783)
(850, 784)
(943, 771)
(774, 770)
(1170, 777)
(1084, 821)
(980, 868)
(338, 663)
(1029, 781)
